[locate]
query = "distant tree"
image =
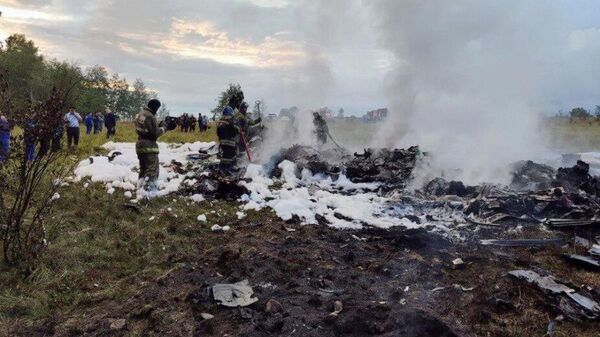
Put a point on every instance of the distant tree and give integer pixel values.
(139, 97)
(118, 95)
(579, 113)
(597, 111)
(95, 92)
(163, 111)
(340, 113)
(21, 65)
(223, 100)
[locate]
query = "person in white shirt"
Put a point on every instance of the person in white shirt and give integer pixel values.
(72, 118)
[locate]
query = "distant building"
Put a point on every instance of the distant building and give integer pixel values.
(376, 115)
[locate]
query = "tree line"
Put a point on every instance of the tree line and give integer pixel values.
(30, 77)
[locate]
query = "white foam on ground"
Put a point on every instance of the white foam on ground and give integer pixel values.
(122, 171)
(342, 203)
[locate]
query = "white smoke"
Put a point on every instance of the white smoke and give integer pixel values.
(470, 80)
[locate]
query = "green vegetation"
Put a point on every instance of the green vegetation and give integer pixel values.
(31, 77)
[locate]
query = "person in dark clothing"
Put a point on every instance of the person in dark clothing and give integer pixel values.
(72, 118)
(97, 123)
(50, 140)
(321, 128)
(4, 138)
(146, 148)
(110, 122)
(29, 139)
(89, 123)
(186, 123)
(200, 123)
(228, 133)
(192, 122)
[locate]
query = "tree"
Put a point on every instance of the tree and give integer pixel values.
(341, 113)
(579, 113)
(597, 111)
(163, 111)
(95, 92)
(22, 65)
(118, 95)
(223, 100)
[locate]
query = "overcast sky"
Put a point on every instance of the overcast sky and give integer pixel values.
(305, 53)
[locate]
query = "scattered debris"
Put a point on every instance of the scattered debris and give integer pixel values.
(584, 261)
(238, 294)
(391, 167)
(206, 316)
(523, 242)
(117, 324)
(273, 306)
(216, 228)
(591, 308)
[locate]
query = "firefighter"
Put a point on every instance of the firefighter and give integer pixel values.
(246, 124)
(148, 130)
(228, 133)
(321, 128)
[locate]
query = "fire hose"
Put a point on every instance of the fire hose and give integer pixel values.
(333, 140)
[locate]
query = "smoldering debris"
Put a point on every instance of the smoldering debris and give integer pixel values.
(393, 168)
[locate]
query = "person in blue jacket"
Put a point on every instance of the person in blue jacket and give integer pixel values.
(89, 123)
(4, 138)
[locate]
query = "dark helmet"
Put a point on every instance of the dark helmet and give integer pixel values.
(154, 105)
(244, 107)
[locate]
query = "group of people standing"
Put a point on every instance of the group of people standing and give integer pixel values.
(187, 123)
(94, 122)
(50, 140)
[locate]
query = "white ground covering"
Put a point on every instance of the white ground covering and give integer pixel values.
(122, 172)
(344, 204)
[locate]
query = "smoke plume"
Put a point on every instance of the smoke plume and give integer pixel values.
(470, 80)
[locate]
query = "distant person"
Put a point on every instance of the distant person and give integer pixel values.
(205, 122)
(73, 119)
(110, 121)
(148, 130)
(200, 123)
(192, 123)
(50, 139)
(97, 123)
(89, 123)
(29, 138)
(4, 138)
(186, 122)
(321, 128)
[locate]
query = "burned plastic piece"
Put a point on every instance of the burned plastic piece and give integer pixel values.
(588, 307)
(523, 242)
(584, 261)
(234, 295)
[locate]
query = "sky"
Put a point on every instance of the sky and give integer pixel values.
(307, 53)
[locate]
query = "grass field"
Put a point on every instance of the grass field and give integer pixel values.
(101, 250)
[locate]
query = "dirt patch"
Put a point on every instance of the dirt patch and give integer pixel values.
(393, 282)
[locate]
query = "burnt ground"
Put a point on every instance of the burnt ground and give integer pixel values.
(383, 278)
